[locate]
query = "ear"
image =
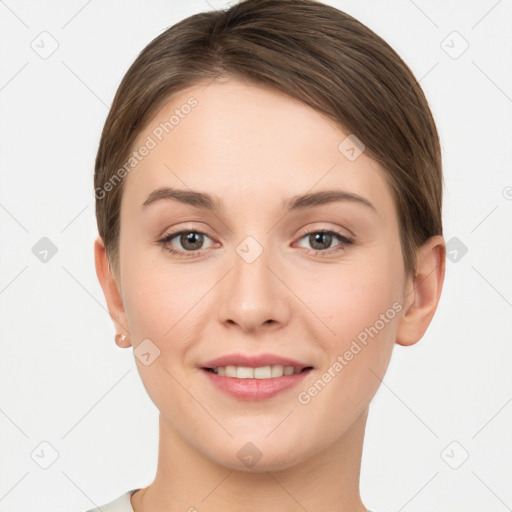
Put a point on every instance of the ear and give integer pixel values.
(423, 291)
(112, 294)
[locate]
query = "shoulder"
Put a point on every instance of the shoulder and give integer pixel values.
(121, 504)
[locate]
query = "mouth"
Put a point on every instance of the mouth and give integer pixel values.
(255, 376)
(255, 383)
(259, 372)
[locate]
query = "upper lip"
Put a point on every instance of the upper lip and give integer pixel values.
(254, 361)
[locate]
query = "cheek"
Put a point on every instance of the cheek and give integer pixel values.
(164, 307)
(361, 305)
(356, 295)
(160, 304)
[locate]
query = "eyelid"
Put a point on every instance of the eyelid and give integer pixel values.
(307, 231)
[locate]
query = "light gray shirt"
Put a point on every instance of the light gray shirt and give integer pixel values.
(121, 504)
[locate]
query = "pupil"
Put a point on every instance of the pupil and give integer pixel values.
(321, 236)
(189, 238)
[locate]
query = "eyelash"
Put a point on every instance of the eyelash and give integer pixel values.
(344, 241)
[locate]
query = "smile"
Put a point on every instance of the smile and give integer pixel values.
(261, 372)
(258, 383)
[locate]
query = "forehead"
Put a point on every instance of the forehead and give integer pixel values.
(241, 141)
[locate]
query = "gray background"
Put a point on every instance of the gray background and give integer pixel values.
(438, 434)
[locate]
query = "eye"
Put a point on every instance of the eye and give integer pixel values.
(322, 239)
(191, 241)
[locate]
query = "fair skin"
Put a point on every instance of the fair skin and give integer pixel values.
(253, 147)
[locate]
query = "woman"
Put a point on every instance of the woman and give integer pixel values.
(269, 192)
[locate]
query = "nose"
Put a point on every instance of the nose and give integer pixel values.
(253, 296)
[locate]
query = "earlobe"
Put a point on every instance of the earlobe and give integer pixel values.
(423, 291)
(111, 292)
(122, 341)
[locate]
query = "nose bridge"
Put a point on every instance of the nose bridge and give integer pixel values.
(252, 294)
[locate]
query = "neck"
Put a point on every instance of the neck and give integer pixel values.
(188, 481)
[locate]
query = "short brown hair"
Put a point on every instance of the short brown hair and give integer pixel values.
(312, 52)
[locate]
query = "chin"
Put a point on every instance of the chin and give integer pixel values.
(259, 455)
(265, 464)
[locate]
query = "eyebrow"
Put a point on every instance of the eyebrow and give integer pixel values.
(299, 202)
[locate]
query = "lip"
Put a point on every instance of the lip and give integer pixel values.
(239, 359)
(254, 389)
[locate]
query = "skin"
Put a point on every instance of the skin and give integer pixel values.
(253, 147)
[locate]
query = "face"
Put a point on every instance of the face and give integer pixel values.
(257, 271)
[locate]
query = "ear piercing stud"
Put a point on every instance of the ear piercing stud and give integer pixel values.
(120, 339)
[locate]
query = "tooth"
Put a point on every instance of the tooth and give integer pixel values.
(277, 371)
(262, 372)
(231, 371)
(244, 372)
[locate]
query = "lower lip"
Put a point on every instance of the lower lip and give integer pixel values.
(255, 389)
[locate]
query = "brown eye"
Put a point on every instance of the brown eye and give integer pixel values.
(321, 241)
(191, 241)
(188, 242)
